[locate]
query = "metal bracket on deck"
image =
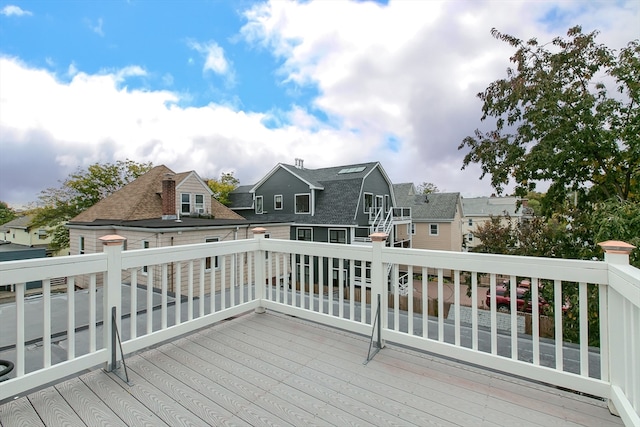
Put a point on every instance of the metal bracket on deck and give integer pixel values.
(376, 320)
(115, 335)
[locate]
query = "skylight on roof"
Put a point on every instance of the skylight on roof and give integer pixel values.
(352, 170)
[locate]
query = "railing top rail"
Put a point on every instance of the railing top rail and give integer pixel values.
(20, 271)
(548, 268)
(336, 250)
(167, 254)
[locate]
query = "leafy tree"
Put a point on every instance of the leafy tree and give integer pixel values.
(567, 113)
(497, 236)
(427, 188)
(6, 213)
(80, 191)
(223, 186)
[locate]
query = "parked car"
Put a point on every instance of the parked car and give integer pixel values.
(503, 300)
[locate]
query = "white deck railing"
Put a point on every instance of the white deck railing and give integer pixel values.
(196, 285)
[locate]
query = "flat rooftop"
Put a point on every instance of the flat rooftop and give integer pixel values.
(272, 369)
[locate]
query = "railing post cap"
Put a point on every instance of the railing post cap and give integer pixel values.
(259, 230)
(378, 237)
(616, 247)
(112, 240)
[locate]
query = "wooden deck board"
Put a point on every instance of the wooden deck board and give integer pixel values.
(53, 409)
(87, 405)
(19, 412)
(270, 369)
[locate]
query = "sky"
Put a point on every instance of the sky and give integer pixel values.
(239, 86)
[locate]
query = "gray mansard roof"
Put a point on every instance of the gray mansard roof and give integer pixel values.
(336, 202)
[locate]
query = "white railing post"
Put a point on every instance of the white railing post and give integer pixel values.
(618, 334)
(379, 277)
(112, 296)
(259, 233)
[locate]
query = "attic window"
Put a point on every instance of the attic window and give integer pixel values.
(352, 170)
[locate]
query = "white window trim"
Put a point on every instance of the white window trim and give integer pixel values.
(198, 209)
(304, 228)
(261, 204)
(182, 211)
(337, 229)
(295, 198)
(275, 202)
(81, 245)
(364, 202)
(437, 233)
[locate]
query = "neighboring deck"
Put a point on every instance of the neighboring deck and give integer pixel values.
(271, 369)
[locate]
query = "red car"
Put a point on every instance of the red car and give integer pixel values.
(503, 300)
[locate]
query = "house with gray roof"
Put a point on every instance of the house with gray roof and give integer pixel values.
(341, 204)
(162, 208)
(479, 210)
(436, 218)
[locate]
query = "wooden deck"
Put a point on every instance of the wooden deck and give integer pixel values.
(270, 369)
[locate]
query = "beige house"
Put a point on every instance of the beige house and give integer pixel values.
(436, 218)
(19, 231)
(478, 210)
(159, 209)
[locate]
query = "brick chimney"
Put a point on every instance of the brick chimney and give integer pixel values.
(169, 197)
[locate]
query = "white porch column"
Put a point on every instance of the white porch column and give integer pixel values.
(379, 282)
(616, 253)
(259, 233)
(112, 295)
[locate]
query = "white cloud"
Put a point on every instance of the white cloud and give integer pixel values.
(214, 59)
(12, 10)
(92, 119)
(408, 71)
(412, 69)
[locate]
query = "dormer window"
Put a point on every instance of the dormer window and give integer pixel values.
(303, 205)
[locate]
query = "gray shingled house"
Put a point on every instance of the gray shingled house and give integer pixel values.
(436, 218)
(342, 204)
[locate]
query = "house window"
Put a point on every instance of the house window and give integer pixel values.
(368, 202)
(337, 236)
(304, 234)
(302, 268)
(302, 203)
(277, 201)
(199, 203)
(365, 276)
(259, 205)
(470, 237)
(211, 261)
(145, 245)
(433, 229)
(470, 222)
(81, 245)
(413, 228)
(387, 203)
(185, 203)
(379, 202)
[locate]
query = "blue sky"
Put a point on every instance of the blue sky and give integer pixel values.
(239, 86)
